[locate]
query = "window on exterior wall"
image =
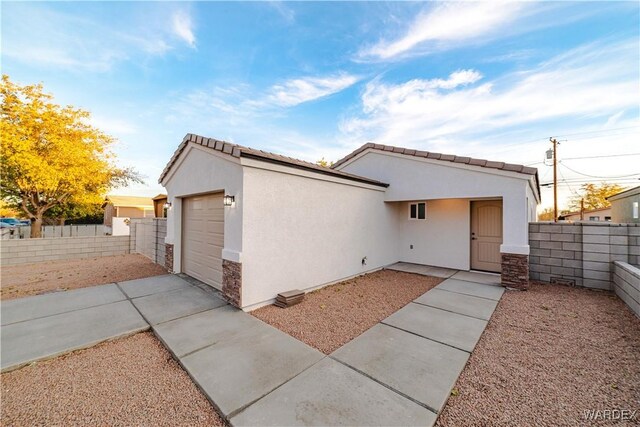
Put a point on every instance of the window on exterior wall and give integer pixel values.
(607, 218)
(594, 218)
(418, 210)
(635, 210)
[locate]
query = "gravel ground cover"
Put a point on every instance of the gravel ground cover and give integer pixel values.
(548, 355)
(34, 279)
(132, 381)
(332, 316)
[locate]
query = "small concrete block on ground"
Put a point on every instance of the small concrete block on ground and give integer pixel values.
(195, 332)
(238, 371)
(29, 308)
(165, 306)
(473, 289)
(481, 308)
(330, 393)
(417, 367)
(476, 277)
(456, 330)
(153, 285)
(46, 337)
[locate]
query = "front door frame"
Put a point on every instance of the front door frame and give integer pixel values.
(471, 233)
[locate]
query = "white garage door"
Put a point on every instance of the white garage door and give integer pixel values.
(203, 238)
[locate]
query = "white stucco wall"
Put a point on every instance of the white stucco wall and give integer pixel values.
(440, 240)
(302, 232)
(197, 171)
(413, 178)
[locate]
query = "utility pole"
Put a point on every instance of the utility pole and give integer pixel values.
(555, 178)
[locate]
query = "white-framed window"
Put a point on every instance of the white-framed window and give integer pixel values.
(594, 218)
(635, 210)
(418, 210)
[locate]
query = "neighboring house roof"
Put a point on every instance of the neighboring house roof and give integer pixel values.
(585, 212)
(626, 193)
(160, 197)
(238, 151)
(129, 201)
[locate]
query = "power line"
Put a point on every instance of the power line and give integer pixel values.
(596, 131)
(602, 157)
(595, 176)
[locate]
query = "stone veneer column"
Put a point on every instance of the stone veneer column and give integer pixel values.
(515, 271)
(168, 257)
(232, 282)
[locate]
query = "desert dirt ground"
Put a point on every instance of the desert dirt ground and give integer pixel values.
(126, 382)
(330, 317)
(548, 355)
(51, 276)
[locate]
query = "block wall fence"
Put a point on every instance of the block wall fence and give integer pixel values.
(581, 253)
(626, 284)
(146, 236)
(27, 251)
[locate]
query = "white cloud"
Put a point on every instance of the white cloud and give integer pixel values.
(599, 81)
(283, 10)
(447, 24)
(77, 42)
(299, 90)
(183, 27)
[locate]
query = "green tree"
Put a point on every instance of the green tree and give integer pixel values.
(594, 196)
(325, 163)
(51, 157)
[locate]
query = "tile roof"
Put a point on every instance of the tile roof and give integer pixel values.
(443, 157)
(238, 151)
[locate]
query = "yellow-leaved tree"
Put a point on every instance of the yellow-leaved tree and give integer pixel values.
(51, 156)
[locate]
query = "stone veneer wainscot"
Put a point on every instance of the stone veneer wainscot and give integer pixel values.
(515, 271)
(232, 282)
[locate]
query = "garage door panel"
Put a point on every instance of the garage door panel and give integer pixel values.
(203, 238)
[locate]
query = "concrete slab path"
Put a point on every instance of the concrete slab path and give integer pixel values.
(424, 270)
(400, 372)
(46, 337)
(44, 326)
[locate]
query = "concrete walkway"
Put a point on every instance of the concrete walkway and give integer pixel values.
(400, 372)
(44, 326)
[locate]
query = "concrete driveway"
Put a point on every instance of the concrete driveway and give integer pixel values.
(400, 372)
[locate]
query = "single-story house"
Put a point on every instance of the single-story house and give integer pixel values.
(601, 214)
(254, 224)
(118, 209)
(624, 206)
(159, 205)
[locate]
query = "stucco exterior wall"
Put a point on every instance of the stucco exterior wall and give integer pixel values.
(302, 232)
(424, 179)
(197, 171)
(622, 209)
(440, 240)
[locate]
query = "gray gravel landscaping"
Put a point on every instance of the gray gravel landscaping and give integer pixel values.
(132, 381)
(332, 316)
(548, 355)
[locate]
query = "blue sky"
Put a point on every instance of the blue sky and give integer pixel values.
(312, 80)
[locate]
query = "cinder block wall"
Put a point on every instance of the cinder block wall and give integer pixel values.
(581, 252)
(626, 284)
(146, 237)
(27, 251)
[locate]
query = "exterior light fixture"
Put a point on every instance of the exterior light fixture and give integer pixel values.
(229, 201)
(167, 205)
